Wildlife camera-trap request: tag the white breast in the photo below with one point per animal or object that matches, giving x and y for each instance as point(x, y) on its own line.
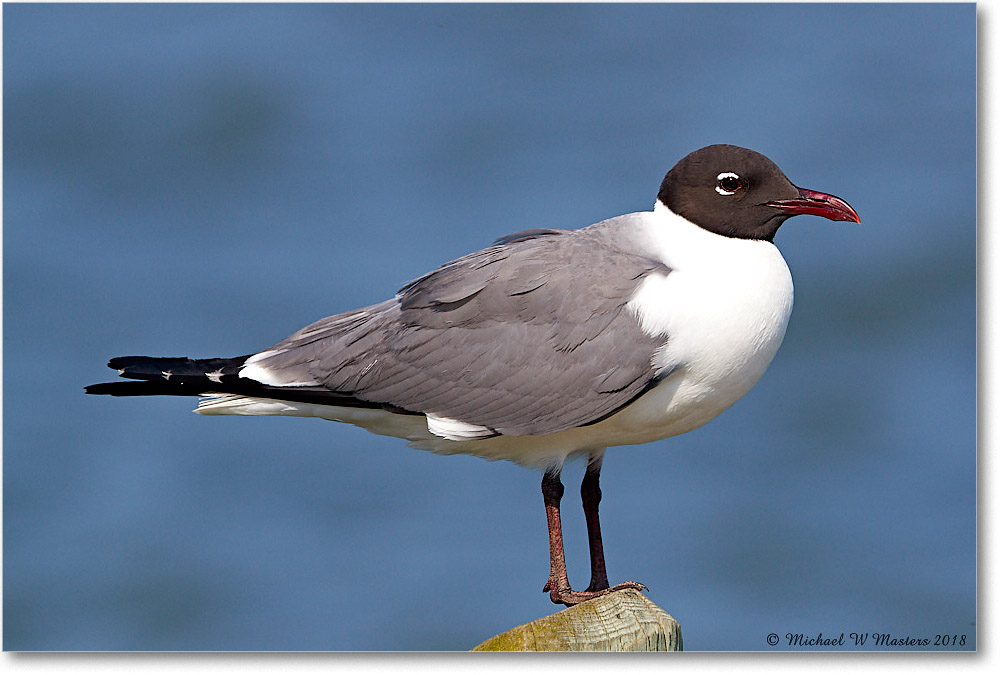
point(722, 310)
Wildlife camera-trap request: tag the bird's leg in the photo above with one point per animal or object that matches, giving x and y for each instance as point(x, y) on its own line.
point(558, 586)
point(590, 492)
point(552, 492)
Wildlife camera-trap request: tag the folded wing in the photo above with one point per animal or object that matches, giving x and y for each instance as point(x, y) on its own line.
point(529, 336)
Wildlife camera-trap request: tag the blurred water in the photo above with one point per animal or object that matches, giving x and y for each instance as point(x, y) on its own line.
point(204, 179)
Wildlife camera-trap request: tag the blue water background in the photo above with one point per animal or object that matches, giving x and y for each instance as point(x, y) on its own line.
point(203, 180)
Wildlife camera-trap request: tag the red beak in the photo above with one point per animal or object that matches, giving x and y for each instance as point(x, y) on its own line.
point(817, 204)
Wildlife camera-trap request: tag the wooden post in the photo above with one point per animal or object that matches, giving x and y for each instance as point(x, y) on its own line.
point(623, 621)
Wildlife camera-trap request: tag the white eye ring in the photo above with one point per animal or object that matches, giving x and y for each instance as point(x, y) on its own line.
point(720, 177)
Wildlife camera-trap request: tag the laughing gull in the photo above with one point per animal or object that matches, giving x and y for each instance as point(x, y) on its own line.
point(549, 343)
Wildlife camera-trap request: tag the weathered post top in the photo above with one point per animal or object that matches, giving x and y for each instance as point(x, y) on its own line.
point(623, 621)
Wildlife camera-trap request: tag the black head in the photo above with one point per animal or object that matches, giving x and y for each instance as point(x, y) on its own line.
point(740, 193)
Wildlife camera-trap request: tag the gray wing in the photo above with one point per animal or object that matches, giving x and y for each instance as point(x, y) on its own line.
point(529, 336)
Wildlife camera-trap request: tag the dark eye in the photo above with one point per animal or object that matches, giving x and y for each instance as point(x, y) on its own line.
point(729, 183)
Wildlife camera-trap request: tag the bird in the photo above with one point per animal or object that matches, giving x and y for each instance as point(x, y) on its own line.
point(548, 345)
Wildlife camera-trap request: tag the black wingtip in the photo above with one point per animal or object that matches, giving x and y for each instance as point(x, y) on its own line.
point(143, 388)
point(116, 388)
point(168, 375)
point(106, 388)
